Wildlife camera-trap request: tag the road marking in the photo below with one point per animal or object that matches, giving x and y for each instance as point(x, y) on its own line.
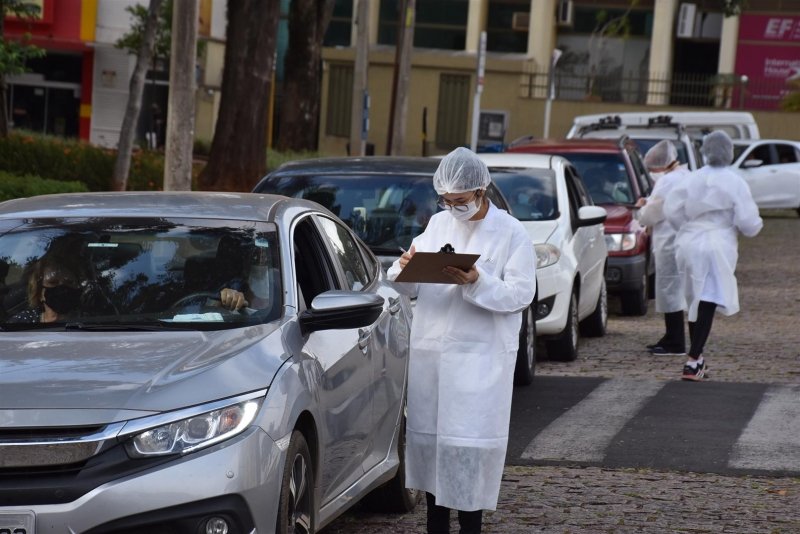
point(771, 440)
point(584, 432)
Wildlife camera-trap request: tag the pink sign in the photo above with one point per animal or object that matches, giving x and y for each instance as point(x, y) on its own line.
point(769, 56)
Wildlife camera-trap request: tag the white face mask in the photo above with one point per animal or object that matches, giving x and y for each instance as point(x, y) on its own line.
point(472, 209)
point(259, 281)
point(656, 175)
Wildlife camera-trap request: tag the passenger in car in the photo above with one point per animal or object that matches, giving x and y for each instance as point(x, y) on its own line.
point(54, 290)
point(709, 208)
point(662, 162)
point(464, 340)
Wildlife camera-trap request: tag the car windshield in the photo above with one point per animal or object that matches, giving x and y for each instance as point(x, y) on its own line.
point(604, 175)
point(137, 274)
point(737, 150)
point(646, 144)
point(531, 193)
point(385, 211)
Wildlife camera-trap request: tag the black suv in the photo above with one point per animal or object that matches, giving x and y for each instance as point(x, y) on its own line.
point(387, 201)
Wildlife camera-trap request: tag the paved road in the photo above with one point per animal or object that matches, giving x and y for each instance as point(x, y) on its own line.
point(614, 442)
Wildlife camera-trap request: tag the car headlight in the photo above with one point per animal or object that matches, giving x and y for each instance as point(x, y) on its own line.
point(620, 242)
point(546, 254)
point(196, 432)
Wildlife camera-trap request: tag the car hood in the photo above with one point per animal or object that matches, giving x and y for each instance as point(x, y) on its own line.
point(540, 231)
point(618, 218)
point(81, 378)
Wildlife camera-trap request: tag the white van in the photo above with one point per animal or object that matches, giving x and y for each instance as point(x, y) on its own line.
point(737, 124)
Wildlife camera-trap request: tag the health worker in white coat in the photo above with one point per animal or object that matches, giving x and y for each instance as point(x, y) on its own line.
point(662, 162)
point(464, 339)
point(709, 207)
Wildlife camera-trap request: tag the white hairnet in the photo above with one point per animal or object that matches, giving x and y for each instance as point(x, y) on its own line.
point(717, 148)
point(460, 171)
point(661, 155)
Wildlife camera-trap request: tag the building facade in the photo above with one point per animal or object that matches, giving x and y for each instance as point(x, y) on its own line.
point(590, 56)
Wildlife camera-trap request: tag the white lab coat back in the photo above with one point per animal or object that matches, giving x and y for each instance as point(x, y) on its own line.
point(708, 208)
point(464, 341)
point(669, 283)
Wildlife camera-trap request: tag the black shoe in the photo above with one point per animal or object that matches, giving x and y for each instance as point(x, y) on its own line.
point(660, 350)
point(694, 373)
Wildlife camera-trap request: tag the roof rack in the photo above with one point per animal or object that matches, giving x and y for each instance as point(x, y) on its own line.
point(610, 122)
point(660, 121)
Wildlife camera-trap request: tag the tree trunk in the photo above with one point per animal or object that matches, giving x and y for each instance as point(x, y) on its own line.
point(180, 112)
point(122, 165)
point(238, 157)
point(299, 120)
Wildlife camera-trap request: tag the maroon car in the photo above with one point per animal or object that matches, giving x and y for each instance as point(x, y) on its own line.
point(615, 176)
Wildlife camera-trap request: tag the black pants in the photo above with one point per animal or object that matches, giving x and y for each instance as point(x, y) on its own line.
point(675, 338)
point(700, 329)
point(439, 518)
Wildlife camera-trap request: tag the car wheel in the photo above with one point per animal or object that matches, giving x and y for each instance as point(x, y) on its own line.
point(565, 347)
point(296, 506)
point(526, 353)
point(595, 325)
point(393, 497)
point(635, 302)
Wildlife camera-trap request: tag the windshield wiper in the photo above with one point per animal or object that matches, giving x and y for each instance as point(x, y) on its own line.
point(110, 327)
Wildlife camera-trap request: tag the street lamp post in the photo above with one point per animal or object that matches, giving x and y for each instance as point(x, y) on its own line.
point(551, 91)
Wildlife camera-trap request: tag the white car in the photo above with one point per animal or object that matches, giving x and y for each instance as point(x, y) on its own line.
point(644, 129)
point(547, 195)
point(771, 167)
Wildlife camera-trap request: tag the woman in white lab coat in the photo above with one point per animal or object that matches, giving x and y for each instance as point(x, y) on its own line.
point(662, 162)
point(709, 208)
point(464, 340)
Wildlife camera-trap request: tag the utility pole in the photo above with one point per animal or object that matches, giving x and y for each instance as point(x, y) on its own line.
point(180, 110)
point(359, 114)
point(399, 110)
point(476, 100)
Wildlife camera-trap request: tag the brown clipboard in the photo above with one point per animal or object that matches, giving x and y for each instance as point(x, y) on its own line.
point(426, 267)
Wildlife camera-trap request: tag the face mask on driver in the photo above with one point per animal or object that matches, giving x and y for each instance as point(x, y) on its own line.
point(62, 299)
point(472, 209)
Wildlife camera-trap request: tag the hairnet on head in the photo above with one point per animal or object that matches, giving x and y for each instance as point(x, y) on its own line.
point(661, 155)
point(717, 148)
point(460, 171)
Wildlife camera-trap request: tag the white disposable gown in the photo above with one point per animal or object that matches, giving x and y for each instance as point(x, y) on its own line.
point(708, 208)
point(669, 283)
point(464, 341)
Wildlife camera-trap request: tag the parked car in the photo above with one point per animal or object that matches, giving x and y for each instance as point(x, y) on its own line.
point(615, 177)
point(387, 201)
point(546, 194)
point(149, 407)
point(771, 167)
point(645, 129)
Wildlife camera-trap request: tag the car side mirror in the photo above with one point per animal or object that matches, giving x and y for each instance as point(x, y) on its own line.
point(752, 163)
point(591, 215)
point(341, 310)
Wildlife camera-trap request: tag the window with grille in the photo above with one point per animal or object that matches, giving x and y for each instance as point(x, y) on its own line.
point(340, 100)
point(453, 110)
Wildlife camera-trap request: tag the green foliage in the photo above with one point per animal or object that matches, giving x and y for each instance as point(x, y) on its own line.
point(132, 40)
point(791, 102)
point(14, 54)
point(14, 186)
point(72, 160)
point(731, 8)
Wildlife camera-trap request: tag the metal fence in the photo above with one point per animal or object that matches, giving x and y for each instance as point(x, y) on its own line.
point(725, 91)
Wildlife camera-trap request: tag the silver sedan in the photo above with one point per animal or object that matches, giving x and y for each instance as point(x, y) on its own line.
point(194, 362)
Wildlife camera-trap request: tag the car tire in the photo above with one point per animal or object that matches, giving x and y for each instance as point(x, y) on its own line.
point(296, 505)
point(393, 497)
point(565, 347)
point(635, 302)
point(595, 325)
point(525, 368)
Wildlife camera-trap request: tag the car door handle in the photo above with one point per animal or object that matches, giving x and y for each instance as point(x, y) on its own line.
point(363, 339)
point(394, 305)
